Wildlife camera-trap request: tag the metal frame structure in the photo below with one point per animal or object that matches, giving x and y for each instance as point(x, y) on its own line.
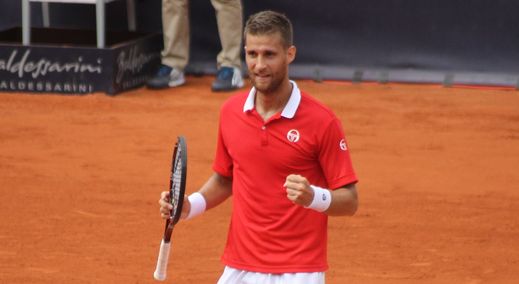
point(100, 17)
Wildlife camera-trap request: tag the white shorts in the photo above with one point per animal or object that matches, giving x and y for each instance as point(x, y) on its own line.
point(235, 276)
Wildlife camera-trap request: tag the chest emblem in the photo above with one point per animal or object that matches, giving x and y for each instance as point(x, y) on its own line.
point(293, 135)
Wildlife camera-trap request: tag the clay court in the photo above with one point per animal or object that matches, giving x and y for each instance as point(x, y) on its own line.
point(80, 177)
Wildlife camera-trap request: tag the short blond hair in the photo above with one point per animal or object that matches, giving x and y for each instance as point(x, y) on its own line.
point(270, 22)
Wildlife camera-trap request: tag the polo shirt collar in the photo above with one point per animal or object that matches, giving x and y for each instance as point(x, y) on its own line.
point(290, 108)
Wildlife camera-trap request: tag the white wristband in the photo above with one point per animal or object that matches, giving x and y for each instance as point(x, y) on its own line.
point(198, 205)
point(322, 199)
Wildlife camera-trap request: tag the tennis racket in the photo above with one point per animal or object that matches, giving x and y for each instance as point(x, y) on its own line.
point(177, 188)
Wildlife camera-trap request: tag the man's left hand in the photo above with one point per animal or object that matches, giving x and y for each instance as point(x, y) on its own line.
point(299, 190)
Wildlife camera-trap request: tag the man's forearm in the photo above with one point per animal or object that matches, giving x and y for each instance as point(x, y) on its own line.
point(216, 190)
point(344, 201)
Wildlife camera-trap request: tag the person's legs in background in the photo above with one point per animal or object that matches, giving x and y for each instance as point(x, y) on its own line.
point(229, 16)
point(175, 55)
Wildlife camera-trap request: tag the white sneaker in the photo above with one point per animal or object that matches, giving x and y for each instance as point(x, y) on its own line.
point(227, 79)
point(166, 77)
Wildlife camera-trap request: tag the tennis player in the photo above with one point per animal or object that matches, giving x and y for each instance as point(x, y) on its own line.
point(283, 157)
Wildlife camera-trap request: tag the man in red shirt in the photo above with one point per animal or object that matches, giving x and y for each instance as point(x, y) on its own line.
point(283, 157)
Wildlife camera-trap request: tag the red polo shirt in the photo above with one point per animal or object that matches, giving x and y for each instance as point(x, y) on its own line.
point(268, 233)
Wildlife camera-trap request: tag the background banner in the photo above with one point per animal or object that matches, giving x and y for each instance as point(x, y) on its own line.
point(449, 41)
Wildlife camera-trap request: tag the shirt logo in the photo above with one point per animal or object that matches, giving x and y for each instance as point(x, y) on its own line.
point(342, 145)
point(293, 135)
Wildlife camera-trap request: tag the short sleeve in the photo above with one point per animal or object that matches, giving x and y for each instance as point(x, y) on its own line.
point(223, 163)
point(334, 156)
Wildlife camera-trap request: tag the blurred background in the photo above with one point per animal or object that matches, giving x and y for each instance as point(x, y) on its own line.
point(471, 42)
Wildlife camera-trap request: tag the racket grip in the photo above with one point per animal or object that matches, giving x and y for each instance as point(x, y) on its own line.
point(162, 261)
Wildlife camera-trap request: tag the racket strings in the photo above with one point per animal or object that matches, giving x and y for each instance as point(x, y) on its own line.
point(176, 180)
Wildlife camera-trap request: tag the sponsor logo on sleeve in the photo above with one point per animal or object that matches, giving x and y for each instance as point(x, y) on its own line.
point(342, 145)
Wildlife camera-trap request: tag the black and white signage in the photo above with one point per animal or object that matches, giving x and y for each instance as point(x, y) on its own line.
point(78, 70)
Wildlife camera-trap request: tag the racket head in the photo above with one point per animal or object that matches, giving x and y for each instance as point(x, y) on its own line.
point(177, 184)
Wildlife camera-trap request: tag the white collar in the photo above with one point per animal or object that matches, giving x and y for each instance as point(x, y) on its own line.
point(290, 108)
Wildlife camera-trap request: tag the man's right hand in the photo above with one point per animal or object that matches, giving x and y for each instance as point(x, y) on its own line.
point(166, 207)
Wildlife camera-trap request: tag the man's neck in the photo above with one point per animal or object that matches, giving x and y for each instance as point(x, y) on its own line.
point(271, 103)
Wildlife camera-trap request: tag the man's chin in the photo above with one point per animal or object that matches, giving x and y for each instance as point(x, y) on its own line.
point(261, 87)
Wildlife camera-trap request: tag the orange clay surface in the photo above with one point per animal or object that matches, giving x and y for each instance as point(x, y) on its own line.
point(80, 177)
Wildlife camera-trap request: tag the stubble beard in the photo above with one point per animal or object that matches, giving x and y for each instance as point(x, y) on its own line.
point(272, 87)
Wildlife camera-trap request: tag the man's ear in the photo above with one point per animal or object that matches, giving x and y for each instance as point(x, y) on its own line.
point(291, 53)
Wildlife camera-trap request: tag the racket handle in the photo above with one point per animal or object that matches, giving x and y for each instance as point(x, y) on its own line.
point(162, 261)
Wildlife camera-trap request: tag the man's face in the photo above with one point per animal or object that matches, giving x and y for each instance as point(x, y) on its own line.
point(267, 60)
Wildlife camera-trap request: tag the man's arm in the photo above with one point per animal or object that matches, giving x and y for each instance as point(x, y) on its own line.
point(344, 200)
point(215, 191)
